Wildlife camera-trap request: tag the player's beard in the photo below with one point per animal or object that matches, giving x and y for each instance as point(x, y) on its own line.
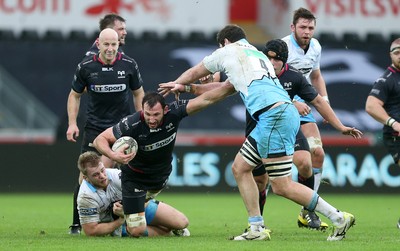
point(302, 42)
point(396, 64)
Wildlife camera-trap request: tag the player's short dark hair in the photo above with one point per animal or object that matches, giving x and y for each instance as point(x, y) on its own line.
point(231, 32)
point(276, 48)
point(152, 98)
point(108, 21)
point(303, 13)
point(88, 159)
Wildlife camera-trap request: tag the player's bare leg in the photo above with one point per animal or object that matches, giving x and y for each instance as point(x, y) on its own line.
point(249, 193)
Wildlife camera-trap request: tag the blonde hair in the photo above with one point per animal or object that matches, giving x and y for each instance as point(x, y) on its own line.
point(88, 159)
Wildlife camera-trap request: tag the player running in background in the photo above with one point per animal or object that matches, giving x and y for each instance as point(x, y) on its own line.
point(252, 75)
point(116, 23)
point(305, 56)
point(100, 209)
point(383, 103)
point(145, 173)
point(110, 79)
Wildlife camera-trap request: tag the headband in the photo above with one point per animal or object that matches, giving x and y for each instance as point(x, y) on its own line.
point(394, 48)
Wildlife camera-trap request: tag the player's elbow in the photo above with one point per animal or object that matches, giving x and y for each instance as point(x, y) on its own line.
point(369, 108)
point(90, 231)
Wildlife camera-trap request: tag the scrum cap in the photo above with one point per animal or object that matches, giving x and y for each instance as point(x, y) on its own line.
point(278, 49)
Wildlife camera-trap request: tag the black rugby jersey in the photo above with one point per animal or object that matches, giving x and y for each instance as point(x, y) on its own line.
point(387, 89)
point(109, 89)
point(294, 83)
point(155, 146)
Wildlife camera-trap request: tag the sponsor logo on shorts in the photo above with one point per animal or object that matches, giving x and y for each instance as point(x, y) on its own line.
point(108, 88)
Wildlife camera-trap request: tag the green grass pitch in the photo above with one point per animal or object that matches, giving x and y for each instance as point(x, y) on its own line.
point(40, 222)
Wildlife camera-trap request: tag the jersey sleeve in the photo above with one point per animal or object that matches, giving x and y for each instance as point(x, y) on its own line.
point(179, 108)
point(78, 83)
point(212, 62)
point(380, 90)
point(136, 81)
point(125, 126)
point(305, 90)
point(88, 209)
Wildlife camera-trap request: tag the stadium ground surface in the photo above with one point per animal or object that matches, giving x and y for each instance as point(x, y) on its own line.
point(40, 222)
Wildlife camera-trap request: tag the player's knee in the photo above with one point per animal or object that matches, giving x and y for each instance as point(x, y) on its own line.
point(136, 225)
point(182, 221)
point(137, 231)
point(278, 187)
point(303, 165)
point(316, 147)
point(279, 173)
point(319, 153)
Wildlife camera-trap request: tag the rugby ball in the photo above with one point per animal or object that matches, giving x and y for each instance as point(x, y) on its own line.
point(125, 140)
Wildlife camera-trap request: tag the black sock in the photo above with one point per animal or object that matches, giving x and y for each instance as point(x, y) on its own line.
point(75, 209)
point(308, 182)
point(261, 200)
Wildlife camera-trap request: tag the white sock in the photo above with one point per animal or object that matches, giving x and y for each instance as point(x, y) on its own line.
point(317, 178)
point(330, 212)
point(256, 222)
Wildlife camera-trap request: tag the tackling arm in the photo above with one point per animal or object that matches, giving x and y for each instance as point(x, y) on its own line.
point(210, 97)
point(193, 74)
point(100, 229)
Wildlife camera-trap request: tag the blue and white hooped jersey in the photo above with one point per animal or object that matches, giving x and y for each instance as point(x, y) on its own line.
point(250, 72)
point(304, 62)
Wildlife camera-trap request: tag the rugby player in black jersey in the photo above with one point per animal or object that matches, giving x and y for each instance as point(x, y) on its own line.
point(116, 23)
point(110, 79)
point(145, 173)
point(383, 103)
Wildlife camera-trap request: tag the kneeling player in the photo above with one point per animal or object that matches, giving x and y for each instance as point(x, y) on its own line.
point(100, 209)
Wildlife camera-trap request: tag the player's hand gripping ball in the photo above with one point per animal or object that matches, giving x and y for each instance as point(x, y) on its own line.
point(119, 145)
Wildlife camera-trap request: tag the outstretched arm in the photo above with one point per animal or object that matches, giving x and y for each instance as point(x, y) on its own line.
point(188, 77)
point(196, 89)
point(193, 74)
point(328, 114)
point(210, 97)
